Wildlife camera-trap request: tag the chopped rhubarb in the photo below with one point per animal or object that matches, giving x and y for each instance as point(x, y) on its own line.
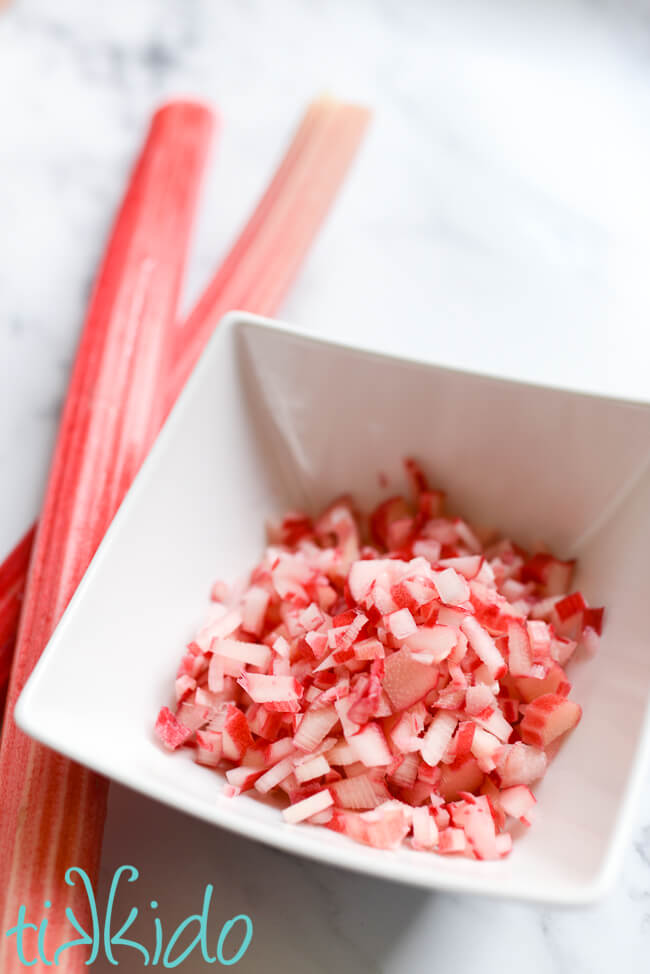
point(555, 681)
point(450, 841)
point(484, 646)
point(552, 575)
point(547, 718)
point(315, 768)
point(425, 830)
point(517, 802)
point(236, 735)
point(520, 652)
point(437, 738)
point(520, 764)
point(415, 701)
point(406, 681)
point(401, 624)
point(370, 745)
point(253, 653)
point(437, 641)
point(280, 692)
point(308, 807)
point(314, 725)
point(170, 730)
point(451, 586)
point(209, 748)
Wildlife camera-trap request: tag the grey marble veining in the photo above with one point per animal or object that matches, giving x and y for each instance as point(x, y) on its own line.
point(497, 218)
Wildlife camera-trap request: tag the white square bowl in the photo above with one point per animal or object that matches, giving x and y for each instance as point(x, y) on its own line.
point(273, 419)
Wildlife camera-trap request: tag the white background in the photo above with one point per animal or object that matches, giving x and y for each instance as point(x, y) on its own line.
point(497, 218)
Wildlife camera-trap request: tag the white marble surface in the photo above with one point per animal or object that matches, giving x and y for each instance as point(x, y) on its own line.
point(498, 218)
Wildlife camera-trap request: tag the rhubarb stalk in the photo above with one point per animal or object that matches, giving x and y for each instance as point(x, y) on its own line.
point(12, 585)
point(267, 255)
point(264, 261)
point(53, 810)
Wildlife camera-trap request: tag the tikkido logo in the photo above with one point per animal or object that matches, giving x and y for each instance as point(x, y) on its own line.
point(234, 937)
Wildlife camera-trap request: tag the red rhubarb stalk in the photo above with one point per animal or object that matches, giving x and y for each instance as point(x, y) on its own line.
point(12, 586)
point(12, 583)
point(266, 257)
point(53, 810)
point(264, 261)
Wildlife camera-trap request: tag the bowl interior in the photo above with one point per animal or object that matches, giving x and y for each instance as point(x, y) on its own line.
point(273, 419)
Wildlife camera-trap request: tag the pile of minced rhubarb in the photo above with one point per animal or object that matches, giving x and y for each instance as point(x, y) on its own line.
point(395, 677)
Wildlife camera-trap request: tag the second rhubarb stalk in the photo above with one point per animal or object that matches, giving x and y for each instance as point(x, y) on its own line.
point(52, 809)
point(262, 263)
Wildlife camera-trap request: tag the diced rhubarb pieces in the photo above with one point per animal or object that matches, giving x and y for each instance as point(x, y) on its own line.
point(425, 830)
point(555, 682)
point(314, 768)
point(547, 718)
point(281, 693)
point(503, 844)
point(414, 693)
point(209, 748)
point(193, 715)
point(484, 646)
point(314, 726)
point(243, 777)
point(370, 744)
point(384, 827)
point(485, 747)
point(360, 792)
point(451, 840)
point(254, 606)
point(593, 619)
point(520, 653)
point(184, 686)
point(304, 809)
point(389, 511)
point(520, 764)
point(540, 640)
point(401, 624)
point(590, 641)
point(570, 606)
point(467, 565)
point(451, 586)
point(170, 731)
point(517, 801)
point(237, 737)
point(275, 775)
point(437, 738)
point(552, 575)
point(463, 738)
point(435, 641)
point(464, 775)
point(406, 730)
point(254, 654)
point(475, 819)
point(406, 681)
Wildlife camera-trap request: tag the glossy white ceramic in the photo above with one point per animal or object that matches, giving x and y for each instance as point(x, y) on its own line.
point(273, 418)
